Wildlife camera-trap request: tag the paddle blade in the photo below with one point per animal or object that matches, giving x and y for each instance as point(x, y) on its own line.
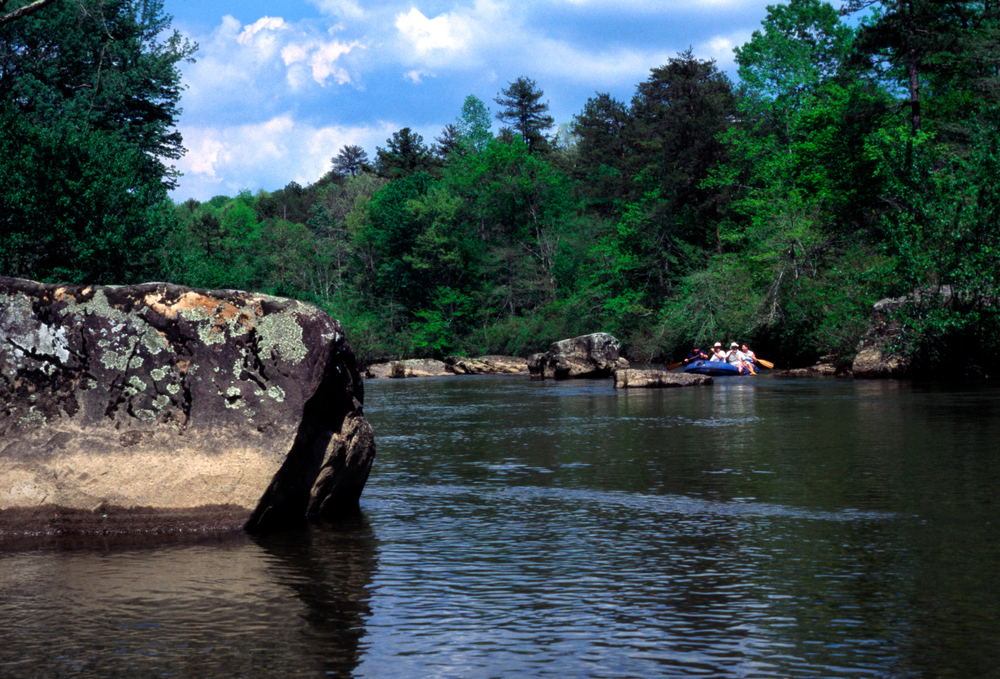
point(674, 365)
point(766, 364)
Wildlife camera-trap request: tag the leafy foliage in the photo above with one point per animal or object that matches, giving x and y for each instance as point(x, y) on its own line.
point(853, 162)
point(89, 96)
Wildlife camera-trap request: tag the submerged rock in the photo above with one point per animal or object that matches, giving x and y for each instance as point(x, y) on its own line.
point(487, 365)
point(652, 379)
point(452, 365)
point(411, 367)
point(587, 356)
point(160, 407)
point(826, 367)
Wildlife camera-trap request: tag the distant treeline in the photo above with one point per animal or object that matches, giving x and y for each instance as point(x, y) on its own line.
point(851, 162)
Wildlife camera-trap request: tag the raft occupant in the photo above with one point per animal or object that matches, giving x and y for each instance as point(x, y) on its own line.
point(736, 357)
point(696, 355)
point(717, 353)
point(751, 358)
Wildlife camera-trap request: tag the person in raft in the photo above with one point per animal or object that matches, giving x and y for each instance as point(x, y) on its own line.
point(740, 360)
point(736, 357)
point(696, 355)
point(751, 357)
point(717, 353)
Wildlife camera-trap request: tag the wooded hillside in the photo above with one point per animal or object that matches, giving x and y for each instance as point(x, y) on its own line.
point(857, 158)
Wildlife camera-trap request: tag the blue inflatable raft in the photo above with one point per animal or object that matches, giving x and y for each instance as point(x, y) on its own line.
point(713, 368)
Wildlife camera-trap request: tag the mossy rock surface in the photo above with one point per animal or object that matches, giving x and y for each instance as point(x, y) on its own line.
point(169, 398)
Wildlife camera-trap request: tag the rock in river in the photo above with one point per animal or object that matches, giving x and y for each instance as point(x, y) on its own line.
point(594, 356)
point(158, 407)
point(487, 365)
point(412, 367)
point(655, 379)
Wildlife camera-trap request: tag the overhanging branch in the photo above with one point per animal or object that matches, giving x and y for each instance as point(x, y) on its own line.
point(23, 11)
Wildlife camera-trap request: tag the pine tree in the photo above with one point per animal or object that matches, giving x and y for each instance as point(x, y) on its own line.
point(405, 154)
point(350, 161)
point(524, 110)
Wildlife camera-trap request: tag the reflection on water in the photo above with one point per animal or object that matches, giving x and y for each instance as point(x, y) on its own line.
point(236, 607)
point(757, 528)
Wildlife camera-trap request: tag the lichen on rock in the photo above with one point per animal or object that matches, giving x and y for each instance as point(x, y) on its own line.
point(166, 397)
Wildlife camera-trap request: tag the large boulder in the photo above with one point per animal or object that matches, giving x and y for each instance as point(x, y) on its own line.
point(587, 356)
point(161, 407)
point(875, 358)
point(873, 362)
point(658, 379)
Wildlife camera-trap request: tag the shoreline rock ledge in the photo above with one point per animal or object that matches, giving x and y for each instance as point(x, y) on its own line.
point(157, 408)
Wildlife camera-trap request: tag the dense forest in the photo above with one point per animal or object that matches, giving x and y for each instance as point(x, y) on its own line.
point(855, 159)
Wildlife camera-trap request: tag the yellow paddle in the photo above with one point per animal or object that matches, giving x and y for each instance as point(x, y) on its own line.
point(674, 365)
point(766, 364)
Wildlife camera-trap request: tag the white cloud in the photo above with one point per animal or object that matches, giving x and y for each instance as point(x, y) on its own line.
point(203, 155)
point(269, 24)
point(292, 54)
point(416, 76)
point(323, 58)
point(272, 100)
point(250, 70)
point(268, 155)
point(721, 48)
point(445, 32)
point(320, 57)
point(651, 6)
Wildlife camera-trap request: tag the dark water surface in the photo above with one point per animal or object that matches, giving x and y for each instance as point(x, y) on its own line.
point(760, 527)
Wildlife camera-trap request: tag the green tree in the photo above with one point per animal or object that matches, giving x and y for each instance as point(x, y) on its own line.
point(803, 190)
point(803, 44)
point(909, 41)
point(349, 161)
point(603, 148)
point(942, 238)
point(473, 126)
point(111, 65)
point(444, 262)
point(77, 205)
point(804, 122)
point(89, 95)
point(24, 10)
point(405, 154)
point(678, 116)
point(387, 236)
point(522, 207)
point(446, 144)
point(527, 114)
point(337, 208)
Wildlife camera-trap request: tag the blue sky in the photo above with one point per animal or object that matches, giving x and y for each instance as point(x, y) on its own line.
point(279, 87)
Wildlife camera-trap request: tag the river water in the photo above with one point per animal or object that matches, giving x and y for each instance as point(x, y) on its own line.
point(760, 527)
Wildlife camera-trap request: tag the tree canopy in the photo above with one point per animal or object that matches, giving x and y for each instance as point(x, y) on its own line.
point(854, 159)
point(89, 97)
